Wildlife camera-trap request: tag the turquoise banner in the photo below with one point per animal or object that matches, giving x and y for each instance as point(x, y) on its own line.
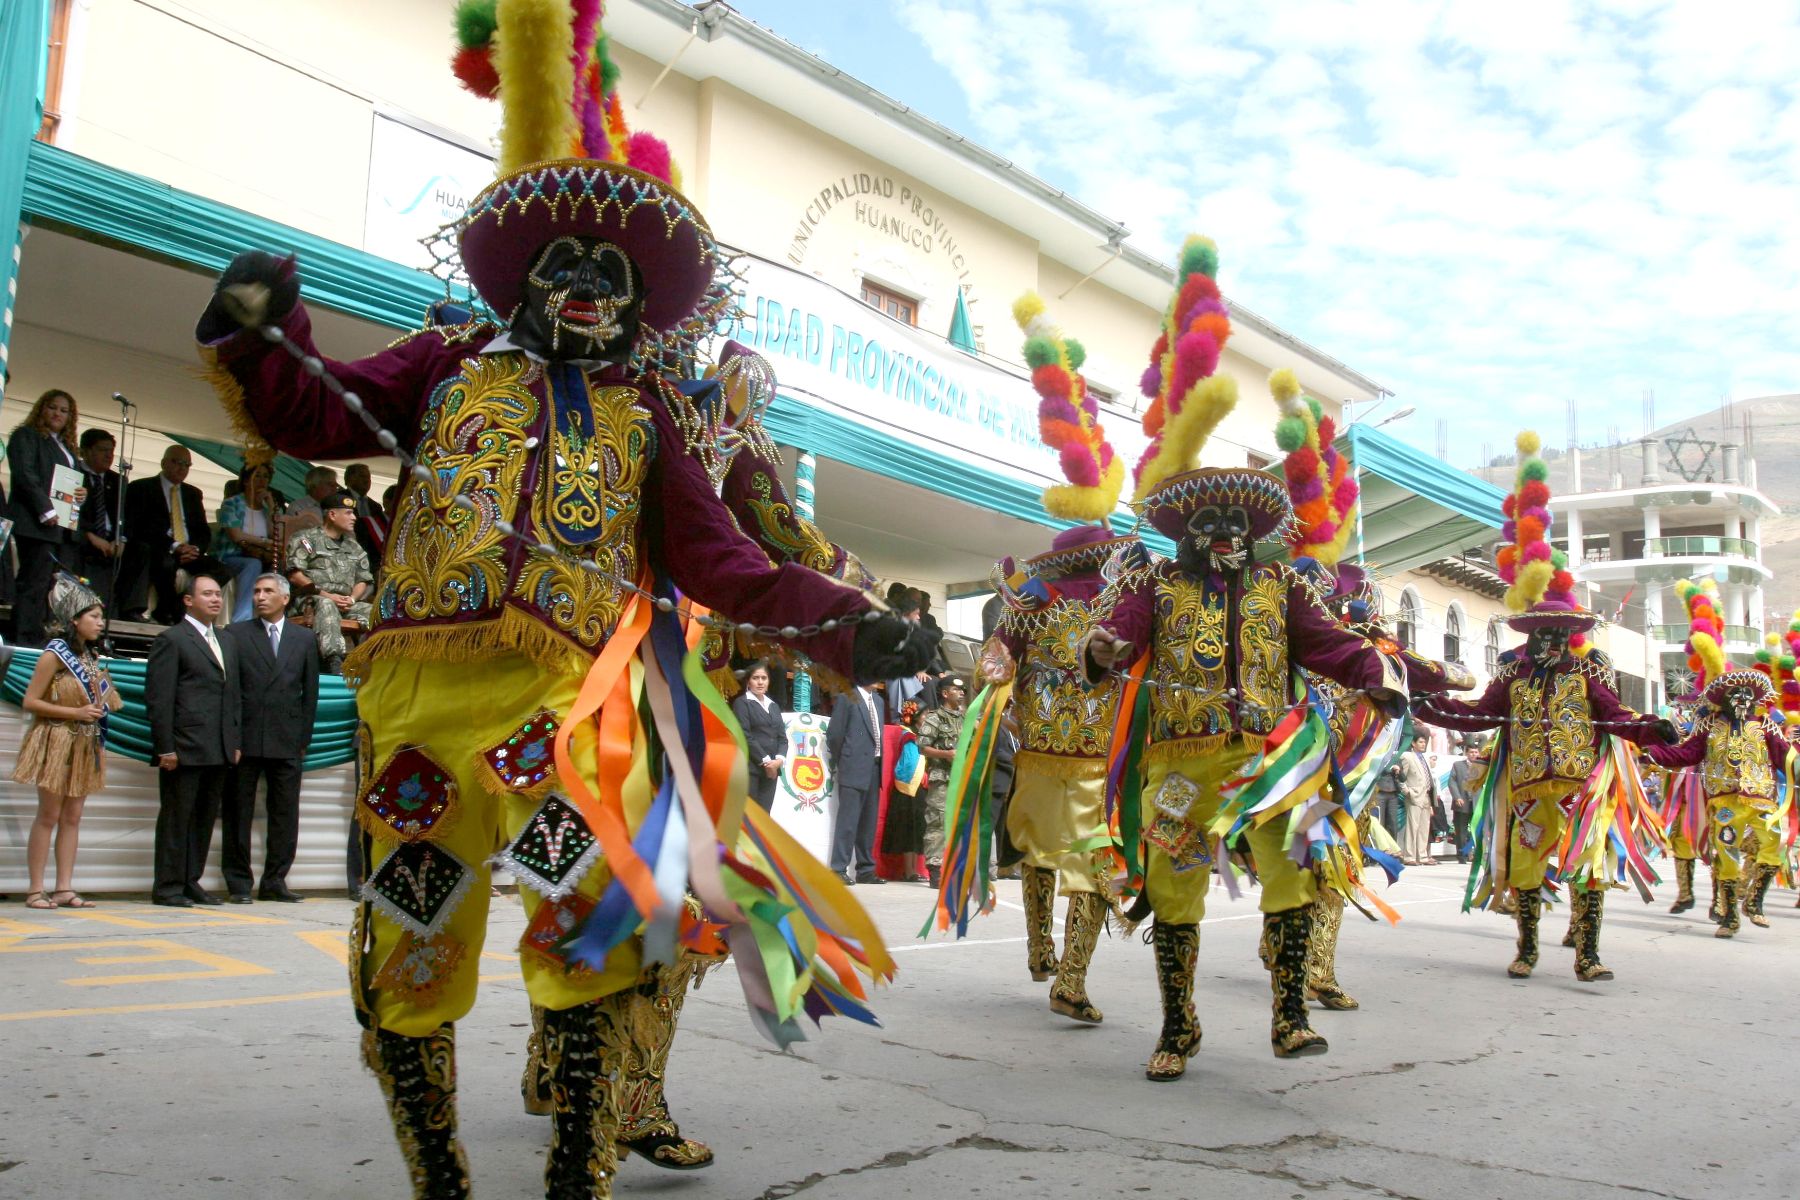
point(128, 733)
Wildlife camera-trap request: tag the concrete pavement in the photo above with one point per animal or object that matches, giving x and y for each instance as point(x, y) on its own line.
point(157, 1053)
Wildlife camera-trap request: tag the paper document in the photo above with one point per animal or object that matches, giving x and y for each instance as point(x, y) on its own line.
point(64, 483)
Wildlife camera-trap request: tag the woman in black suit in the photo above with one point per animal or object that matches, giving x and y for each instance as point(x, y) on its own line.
point(45, 441)
point(765, 732)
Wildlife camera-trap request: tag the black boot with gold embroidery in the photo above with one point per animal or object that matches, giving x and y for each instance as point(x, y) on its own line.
point(1728, 922)
point(1321, 954)
point(584, 1048)
point(1528, 907)
point(1177, 952)
point(1589, 906)
point(646, 1128)
point(534, 1084)
point(1716, 909)
point(1081, 931)
point(418, 1077)
point(1038, 889)
point(1284, 941)
point(1755, 893)
point(1684, 885)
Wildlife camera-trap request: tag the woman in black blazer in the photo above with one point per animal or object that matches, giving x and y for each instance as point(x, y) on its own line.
point(765, 732)
point(45, 441)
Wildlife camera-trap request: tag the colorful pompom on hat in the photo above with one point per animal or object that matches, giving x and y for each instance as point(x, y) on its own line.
point(1737, 677)
point(569, 166)
point(1069, 423)
point(1321, 487)
point(1706, 631)
point(1540, 591)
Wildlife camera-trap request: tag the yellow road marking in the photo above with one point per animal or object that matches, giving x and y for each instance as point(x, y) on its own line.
point(8, 925)
point(334, 943)
point(158, 950)
point(197, 1005)
point(217, 917)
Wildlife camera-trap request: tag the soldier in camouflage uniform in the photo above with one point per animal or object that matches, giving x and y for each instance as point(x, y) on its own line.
point(331, 577)
point(938, 730)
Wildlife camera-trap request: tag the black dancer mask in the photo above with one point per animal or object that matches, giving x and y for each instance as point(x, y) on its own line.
point(1741, 701)
point(583, 299)
point(1218, 537)
point(1548, 645)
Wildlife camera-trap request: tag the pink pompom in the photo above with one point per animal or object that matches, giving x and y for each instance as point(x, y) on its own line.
point(650, 154)
point(1325, 533)
point(1196, 357)
point(1079, 466)
point(1542, 514)
point(1345, 494)
point(1537, 552)
point(1308, 489)
point(1508, 573)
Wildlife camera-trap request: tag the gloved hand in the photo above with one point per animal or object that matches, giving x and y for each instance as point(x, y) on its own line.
point(1665, 729)
point(892, 647)
point(258, 288)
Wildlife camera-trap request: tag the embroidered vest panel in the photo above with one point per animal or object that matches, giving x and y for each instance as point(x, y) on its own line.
point(1058, 713)
point(1197, 658)
point(491, 434)
point(1552, 734)
point(1737, 761)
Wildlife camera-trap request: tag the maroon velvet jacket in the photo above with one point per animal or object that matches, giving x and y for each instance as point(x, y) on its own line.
point(1734, 759)
point(1553, 722)
point(1244, 636)
point(621, 491)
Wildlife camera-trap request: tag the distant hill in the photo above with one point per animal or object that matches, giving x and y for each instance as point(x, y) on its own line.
point(1773, 447)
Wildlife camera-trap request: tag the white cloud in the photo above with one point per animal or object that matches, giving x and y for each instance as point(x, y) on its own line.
point(1491, 208)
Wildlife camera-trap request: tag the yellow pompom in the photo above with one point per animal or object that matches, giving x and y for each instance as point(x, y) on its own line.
point(1284, 386)
point(1529, 443)
point(533, 43)
point(1027, 308)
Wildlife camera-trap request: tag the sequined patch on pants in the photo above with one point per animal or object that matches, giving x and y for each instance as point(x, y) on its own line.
point(419, 967)
point(554, 922)
point(418, 886)
point(553, 853)
point(410, 798)
point(523, 760)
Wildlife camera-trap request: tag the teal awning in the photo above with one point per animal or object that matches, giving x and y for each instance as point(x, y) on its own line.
point(1415, 508)
point(289, 475)
point(962, 329)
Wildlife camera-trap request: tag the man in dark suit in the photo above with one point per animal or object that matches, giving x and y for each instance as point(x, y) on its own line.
point(165, 531)
point(276, 664)
point(853, 738)
point(99, 522)
point(190, 688)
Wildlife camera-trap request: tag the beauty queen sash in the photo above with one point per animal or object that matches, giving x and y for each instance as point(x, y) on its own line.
point(94, 683)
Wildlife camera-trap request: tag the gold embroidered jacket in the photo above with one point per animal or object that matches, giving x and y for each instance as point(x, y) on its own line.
point(1060, 717)
point(1736, 759)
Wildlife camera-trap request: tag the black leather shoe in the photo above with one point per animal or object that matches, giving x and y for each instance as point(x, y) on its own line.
point(240, 897)
point(202, 896)
point(870, 879)
point(281, 893)
point(177, 902)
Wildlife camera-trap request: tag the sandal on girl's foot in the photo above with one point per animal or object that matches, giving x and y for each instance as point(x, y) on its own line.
point(75, 900)
point(39, 900)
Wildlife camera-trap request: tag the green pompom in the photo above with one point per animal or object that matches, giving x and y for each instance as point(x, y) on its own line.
point(1290, 434)
point(1535, 470)
point(1559, 559)
point(1076, 351)
point(609, 70)
point(1763, 656)
point(1317, 409)
point(475, 23)
point(1199, 256)
point(1040, 352)
point(1787, 663)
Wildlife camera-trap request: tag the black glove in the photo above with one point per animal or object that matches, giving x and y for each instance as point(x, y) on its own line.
point(1665, 729)
point(279, 281)
point(892, 647)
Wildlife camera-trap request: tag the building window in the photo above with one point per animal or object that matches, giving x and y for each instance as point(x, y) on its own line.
point(902, 308)
point(1453, 635)
point(1258, 461)
point(1406, 627)
point(1493, 647)
point(1103, 395)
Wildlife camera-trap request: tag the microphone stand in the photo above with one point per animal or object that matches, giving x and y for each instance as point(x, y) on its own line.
point(123, 470)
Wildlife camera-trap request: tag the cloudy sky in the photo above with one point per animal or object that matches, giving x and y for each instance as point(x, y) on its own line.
point(1490, 208)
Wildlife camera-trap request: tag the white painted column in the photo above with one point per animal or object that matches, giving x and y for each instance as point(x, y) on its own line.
point(1652, 530)
point(1653, 611)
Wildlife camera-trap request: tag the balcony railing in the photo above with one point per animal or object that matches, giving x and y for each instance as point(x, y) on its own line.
point(1690, 546)
point(1677, 634)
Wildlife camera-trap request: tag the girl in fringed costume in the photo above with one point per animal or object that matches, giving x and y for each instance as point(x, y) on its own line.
point(1322, 487)
point(529, 688)
point(1220, 741)
point(1562, 786)
point(1056, 816)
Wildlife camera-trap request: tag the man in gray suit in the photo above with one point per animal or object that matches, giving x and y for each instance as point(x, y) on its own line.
point(277, 664)
point(853, 739)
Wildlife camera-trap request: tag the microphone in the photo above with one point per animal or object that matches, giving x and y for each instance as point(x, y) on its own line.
point(121, 401)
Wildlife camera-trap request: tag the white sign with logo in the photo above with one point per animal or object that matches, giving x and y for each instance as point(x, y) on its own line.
point(881, 372)
point(418, 182)
point(803, 796)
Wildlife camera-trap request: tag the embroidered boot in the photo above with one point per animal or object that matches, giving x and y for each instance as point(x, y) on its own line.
point(645, 1126)
point(1081, 931)
point(534, 1085)
point(1177, 950)
point(1728, 924)
point(418, 1077)
point(1321, 954)
point(1589, 905)
point(1039, 891)
point(1284, 942)
point(1684, 885)
point(1715, 909)
point(1569, 933)
point(1754, 895)
point(1528, 907)
point(585, 1049)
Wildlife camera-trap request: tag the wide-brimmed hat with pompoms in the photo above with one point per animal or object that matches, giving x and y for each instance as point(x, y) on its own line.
point(1737, 677)
point(568, 164)
point(1188, 399)
point(1540, 591)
